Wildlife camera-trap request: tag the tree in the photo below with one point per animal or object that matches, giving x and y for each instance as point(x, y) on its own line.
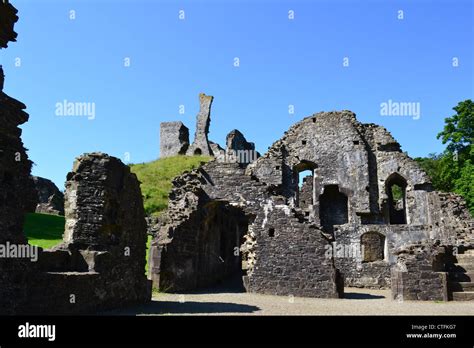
point(453, 170)
point(439, 169)
point(458, 130)
point(464, 185)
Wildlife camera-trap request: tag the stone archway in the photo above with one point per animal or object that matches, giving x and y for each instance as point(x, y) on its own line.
point(303, 179)
point(395, 187)
point(220, 236)
point(205, 250)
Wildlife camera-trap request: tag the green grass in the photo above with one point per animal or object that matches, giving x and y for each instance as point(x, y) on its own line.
point(156, 177)
point(44, 230)
point(397, 192)
point(148, 243)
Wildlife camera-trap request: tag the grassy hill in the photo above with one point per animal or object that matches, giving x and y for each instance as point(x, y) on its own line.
point(156, 177)
point(44, 230)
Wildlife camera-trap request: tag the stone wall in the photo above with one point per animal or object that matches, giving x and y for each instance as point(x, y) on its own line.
point(425, 267)
point(101, 263)
point(15, 167)
point(174, 139)
point(16, 187)
point(278, 253)
point(192, 229)
point(200, 145)
point(351, 255)
point(203, 252)
point(236, 141)
point(351, 225)
point(419, 273)
point(292, 258)
point(9, 17)
point(50, 199)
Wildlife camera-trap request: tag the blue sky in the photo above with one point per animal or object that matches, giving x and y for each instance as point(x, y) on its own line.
point(282, 62)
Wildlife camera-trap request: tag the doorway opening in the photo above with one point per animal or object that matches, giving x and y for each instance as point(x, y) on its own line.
point(304, 184)
point(333, 209)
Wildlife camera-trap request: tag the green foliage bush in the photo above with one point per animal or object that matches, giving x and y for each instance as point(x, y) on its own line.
point(453, 170)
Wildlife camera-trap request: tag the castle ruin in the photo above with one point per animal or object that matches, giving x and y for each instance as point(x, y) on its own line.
point(366, 215)
point(174, 139)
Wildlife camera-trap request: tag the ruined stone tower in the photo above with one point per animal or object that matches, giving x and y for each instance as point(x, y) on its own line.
point(200, 145)
point(174, 139)
point(174, 136)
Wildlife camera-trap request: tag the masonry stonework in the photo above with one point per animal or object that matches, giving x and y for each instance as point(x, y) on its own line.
point(50, 198)
point(253, 221)
point(200, 145)
point(102, 258)
point(174, 139)
point(16, 186)
point(341, 226)
point(101, 262)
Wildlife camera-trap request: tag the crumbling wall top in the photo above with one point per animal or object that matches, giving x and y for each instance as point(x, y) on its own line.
point(9, 18)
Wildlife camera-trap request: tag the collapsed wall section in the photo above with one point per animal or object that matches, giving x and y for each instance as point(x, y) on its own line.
point(9, 17)
point(174, 139)
point(419, 273)
point(201, 145)
point(16, 187)
point(329, 145)
point(295, 260)
point(101, 263)
point(292, 257)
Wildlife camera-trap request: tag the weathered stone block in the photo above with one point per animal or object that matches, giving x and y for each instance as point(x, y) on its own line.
point(50, 199)
point(174, 139)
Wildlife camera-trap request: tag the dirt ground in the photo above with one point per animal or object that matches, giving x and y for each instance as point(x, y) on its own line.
point(356, 302)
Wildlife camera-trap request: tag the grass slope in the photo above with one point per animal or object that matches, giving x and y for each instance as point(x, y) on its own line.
point(44, 230)
point(156, 177)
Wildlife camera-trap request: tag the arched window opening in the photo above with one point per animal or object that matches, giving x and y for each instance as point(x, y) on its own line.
point(396, 192)
point(304, 188)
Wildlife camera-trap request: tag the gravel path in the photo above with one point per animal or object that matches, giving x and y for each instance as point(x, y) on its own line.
point(357, 302)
